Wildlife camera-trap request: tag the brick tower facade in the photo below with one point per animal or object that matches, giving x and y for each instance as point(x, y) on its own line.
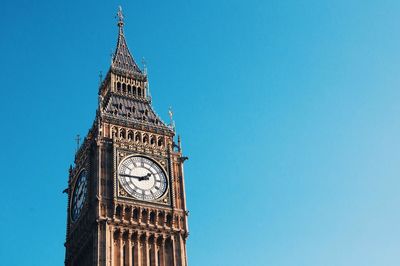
point(126, 193)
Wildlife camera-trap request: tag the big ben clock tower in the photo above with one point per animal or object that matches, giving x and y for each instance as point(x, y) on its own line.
point(126, 193)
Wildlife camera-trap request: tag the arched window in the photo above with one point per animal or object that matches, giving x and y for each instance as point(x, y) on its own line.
point(118, 211)
point(160, 142)
point(127, 212)
point(123, 87)
point(153, 140)
point(139, 92)
point(160, 219)
point(145, 139)
point(152, 218)
point(129, 89)
point(118, 86)
point(134, 90)
point(135, 214)
point(122, 134)
point(144, 216)
point(169, 220)
point(130, 135)
point(114, 132)
point(137, 137)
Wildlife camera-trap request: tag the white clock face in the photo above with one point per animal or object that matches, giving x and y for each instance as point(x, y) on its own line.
point(142, 178)
point(79, 195)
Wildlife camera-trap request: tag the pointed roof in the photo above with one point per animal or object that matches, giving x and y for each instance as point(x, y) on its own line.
point(122, 59)
point(128, 109)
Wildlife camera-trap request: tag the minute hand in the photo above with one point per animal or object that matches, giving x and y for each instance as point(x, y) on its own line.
point(140, 178)
point(133, 176)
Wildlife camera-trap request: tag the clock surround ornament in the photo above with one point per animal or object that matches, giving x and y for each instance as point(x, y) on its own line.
point(142, 178)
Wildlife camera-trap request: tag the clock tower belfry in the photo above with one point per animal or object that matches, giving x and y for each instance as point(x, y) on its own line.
point(126, 194)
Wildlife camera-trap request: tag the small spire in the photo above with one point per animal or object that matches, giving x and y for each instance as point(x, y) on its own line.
point(171, 118)
point(100, 78)
point(77, 139)
point(122, 59)
point(144, 64)
point(179, 143)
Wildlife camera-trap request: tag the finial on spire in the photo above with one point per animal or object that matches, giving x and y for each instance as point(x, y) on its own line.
point(179, 143)
point(100, 78)
point(171, 118)
point(78, 139)
point(144, 65)
point(120, 17)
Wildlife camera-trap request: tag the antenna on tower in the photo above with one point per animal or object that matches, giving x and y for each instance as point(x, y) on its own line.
point(78, 140)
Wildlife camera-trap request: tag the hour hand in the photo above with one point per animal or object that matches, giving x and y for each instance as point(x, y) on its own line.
point(145, 177)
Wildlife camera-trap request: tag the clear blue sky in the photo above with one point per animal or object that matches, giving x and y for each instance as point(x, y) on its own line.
point(288, 110)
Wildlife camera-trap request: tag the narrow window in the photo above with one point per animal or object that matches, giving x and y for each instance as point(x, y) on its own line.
point(135, 214)
point(169, 220)
point(118, 211)
point(160, 142)
point(124, 255)
point(130, 134)
point(158, 257)
point(133, 255)
point(151, 257)
point(152, 218)
point(122, 134)
point(118, 86)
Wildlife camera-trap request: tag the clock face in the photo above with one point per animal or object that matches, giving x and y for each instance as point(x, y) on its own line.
point(79, 195)
point(142, 178)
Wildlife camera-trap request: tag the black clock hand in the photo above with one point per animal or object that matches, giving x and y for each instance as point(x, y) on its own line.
point(132, 176)
point(146, 177)
point(140, 178)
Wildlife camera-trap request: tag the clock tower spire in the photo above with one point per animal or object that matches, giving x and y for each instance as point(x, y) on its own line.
point(126, 195)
